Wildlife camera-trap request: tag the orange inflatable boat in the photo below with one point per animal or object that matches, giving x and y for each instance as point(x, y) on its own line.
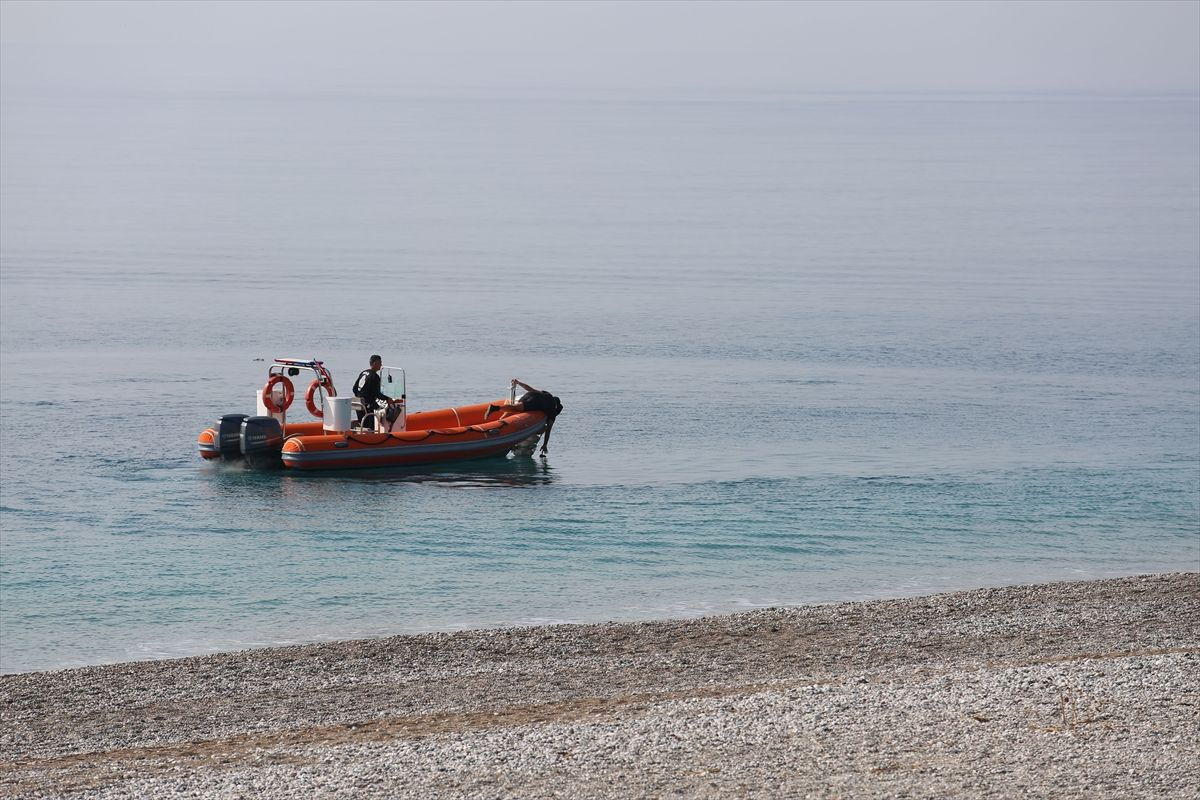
point(342, 436)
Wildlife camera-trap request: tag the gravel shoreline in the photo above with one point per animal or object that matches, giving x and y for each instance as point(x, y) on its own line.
point(1056, 690)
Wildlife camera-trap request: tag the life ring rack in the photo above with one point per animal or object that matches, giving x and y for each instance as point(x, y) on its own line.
point(277, 376)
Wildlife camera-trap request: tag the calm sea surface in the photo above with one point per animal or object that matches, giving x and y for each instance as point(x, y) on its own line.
point(811, 348)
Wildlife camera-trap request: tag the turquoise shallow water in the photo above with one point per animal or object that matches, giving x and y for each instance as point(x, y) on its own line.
point(810, 349)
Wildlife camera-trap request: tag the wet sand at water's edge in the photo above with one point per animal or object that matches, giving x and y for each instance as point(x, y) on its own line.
point(1087, 689)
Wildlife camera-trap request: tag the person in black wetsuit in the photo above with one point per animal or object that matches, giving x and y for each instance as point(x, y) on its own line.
point(367, 388)
point(532, 400)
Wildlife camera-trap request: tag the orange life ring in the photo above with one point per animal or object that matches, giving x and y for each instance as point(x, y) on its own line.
point(289, 392)
point(311, 393)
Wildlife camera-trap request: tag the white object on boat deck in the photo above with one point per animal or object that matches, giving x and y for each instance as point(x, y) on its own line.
point(338, 412)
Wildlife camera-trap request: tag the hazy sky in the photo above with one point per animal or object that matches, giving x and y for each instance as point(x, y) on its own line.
point(923, 45)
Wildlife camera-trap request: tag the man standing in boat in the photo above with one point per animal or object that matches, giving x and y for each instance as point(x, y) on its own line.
point(532, 400)
point(367, 388)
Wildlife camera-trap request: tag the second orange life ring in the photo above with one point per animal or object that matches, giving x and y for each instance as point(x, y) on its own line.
point(312, 392)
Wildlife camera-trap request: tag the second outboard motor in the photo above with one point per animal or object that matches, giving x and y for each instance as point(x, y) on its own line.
point(262, 442)
point(229, 436)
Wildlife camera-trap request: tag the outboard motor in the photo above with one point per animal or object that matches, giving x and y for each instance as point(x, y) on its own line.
point(229, 436)
point(262, 442)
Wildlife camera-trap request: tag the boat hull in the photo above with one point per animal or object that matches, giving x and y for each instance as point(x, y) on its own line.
point(410, 448)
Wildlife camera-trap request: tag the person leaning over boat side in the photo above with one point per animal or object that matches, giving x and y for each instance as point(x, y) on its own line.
point(367, 388)
point(532, 400)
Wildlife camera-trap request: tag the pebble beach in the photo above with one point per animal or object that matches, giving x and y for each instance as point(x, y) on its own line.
point(1086, 689)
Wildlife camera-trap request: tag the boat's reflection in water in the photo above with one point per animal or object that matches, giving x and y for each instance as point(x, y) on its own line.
point(516, 471)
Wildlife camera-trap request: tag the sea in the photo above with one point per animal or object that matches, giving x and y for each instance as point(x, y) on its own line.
point(811, 348)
